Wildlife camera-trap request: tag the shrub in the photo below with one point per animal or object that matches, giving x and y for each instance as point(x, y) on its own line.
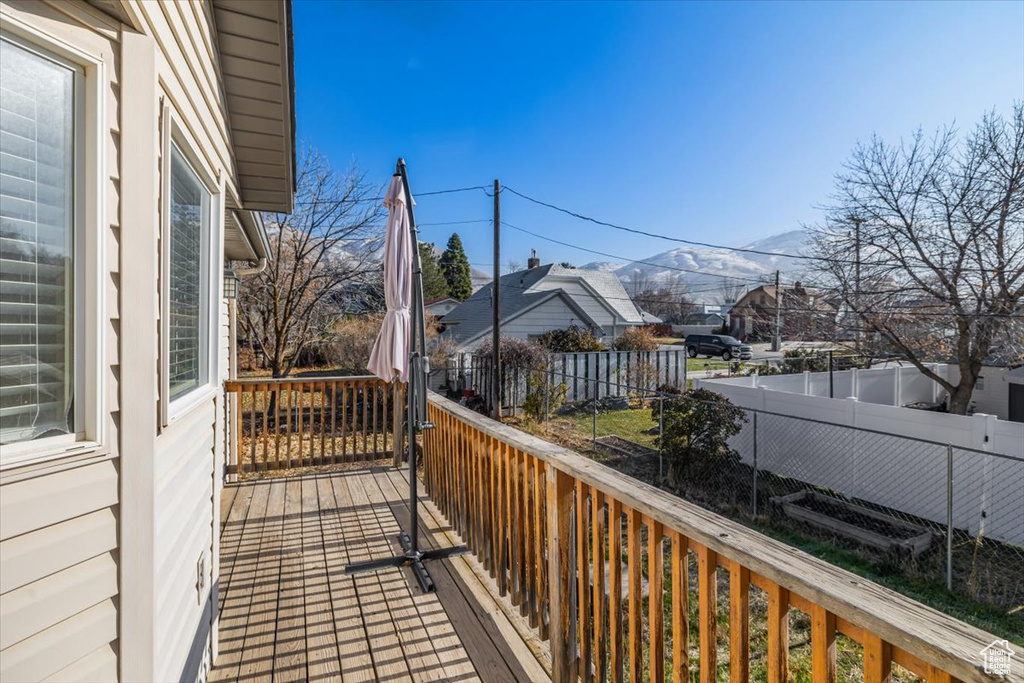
point(636, 339)
point(696, 430)
point(541, 394)
point(573, 339)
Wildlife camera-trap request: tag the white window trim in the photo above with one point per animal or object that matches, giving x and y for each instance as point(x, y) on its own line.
point(172, 133)
point(89, 230)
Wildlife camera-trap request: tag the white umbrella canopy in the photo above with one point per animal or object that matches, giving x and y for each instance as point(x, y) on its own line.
point(389, 359)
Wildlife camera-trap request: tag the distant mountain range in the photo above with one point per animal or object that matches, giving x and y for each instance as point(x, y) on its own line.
point(704, 270)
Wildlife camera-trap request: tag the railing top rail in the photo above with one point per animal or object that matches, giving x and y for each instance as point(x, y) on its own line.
point(248, 381)
point(936, 638)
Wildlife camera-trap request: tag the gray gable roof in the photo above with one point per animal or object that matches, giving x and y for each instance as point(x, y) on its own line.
point(473, 316)
point(607, 286)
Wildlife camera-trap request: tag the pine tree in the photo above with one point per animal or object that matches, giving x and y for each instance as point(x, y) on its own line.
point(455, 267)
point(435, 286)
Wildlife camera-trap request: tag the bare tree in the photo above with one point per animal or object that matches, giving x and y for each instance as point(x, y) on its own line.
point(667, 299)
point(923, 246)
point(323, 253)
point(731, 290)
point(513, 266)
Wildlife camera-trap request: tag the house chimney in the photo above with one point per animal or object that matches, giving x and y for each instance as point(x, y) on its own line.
point(798, 288)
point(533, 261)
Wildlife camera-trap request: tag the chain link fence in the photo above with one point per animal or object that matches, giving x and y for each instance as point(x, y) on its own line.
point(926, 510)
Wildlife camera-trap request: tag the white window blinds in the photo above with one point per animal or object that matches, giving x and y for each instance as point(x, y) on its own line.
point(188, 278)
point(36, 194)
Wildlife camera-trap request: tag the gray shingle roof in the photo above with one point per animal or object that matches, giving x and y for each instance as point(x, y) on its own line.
point(473, 316)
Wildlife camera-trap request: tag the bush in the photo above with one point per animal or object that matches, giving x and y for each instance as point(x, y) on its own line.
point(541, 394)
point(573, 339)
point(696, 430)
point(796, 361)
point(636, 339)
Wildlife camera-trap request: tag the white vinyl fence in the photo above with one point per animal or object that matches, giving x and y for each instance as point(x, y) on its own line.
point(891, 456)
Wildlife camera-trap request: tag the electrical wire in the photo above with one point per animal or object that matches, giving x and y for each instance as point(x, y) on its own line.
point(417, 195)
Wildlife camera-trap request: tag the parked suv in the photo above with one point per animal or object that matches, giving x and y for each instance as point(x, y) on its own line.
point(717, 345)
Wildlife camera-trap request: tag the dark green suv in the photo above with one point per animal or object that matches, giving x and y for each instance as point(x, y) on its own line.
point(729, 348)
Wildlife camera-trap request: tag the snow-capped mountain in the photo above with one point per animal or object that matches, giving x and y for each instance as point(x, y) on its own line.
point(702, 269)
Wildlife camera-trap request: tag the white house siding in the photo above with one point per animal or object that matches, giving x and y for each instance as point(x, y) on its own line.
point(993, 397)
point(586, 300)
point(63, 535)
point(553, 314)
point(58, 519)
point(188, 451)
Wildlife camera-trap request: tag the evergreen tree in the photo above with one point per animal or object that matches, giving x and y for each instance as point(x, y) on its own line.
point(435, 286)
point(455, 267)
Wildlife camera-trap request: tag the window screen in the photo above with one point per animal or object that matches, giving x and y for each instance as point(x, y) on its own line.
point(188, 287)
point(36, 194)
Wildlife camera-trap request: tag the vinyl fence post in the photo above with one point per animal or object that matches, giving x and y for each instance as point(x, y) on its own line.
point(753, 502)
point(949, 517)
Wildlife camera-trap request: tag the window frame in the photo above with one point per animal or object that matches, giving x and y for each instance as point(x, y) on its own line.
point(88, 233)
point(174, 135)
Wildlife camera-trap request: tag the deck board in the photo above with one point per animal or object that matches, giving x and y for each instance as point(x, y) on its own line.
point(289, 612)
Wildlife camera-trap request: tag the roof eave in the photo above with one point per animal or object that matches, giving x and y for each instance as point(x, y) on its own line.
point(259, 90)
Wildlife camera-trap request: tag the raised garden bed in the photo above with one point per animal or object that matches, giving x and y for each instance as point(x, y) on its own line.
point(862, 524)
point(616, 445)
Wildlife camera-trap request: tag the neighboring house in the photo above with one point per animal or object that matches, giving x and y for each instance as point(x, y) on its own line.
point(650, 318)
point(998, 391)
point(543, 298)
point(138, 141)
point(441, 307)
point(804, 314)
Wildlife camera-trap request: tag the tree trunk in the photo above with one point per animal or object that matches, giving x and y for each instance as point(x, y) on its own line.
point(960, 399)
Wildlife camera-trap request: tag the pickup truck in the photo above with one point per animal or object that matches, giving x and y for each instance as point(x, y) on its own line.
point(723, 345)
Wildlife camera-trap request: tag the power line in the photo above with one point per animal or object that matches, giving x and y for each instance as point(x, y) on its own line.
point(380, 199)
point(680, 240)
point(646, 233)
point(480, 220)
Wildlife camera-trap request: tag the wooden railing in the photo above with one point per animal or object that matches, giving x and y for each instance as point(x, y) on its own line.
point(600, 564)
point(294, 422)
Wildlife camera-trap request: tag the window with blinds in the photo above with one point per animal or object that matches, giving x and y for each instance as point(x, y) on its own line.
point(188, 278)
point(36, 245)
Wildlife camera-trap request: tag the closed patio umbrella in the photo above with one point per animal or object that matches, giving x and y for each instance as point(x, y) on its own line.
point(389, 358)
point(399, 355)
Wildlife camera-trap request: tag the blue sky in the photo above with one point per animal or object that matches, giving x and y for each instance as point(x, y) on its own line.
point(720, 122)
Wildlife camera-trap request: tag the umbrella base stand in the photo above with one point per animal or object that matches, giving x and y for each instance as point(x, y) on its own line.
point(411, 557)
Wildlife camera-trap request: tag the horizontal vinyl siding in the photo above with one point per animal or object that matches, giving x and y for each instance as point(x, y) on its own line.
point(183, 526)
point(553, 314)
point(58, 525)
point(58, 562)
point(583, 298)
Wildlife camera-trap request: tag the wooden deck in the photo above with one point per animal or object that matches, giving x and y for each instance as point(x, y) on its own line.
point(289, 612)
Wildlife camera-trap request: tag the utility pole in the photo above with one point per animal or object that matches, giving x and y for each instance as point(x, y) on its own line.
point(495, 304)
point(777, 338)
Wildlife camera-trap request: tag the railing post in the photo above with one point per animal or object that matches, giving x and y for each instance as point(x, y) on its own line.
point(559, 509)
point(234, 431)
